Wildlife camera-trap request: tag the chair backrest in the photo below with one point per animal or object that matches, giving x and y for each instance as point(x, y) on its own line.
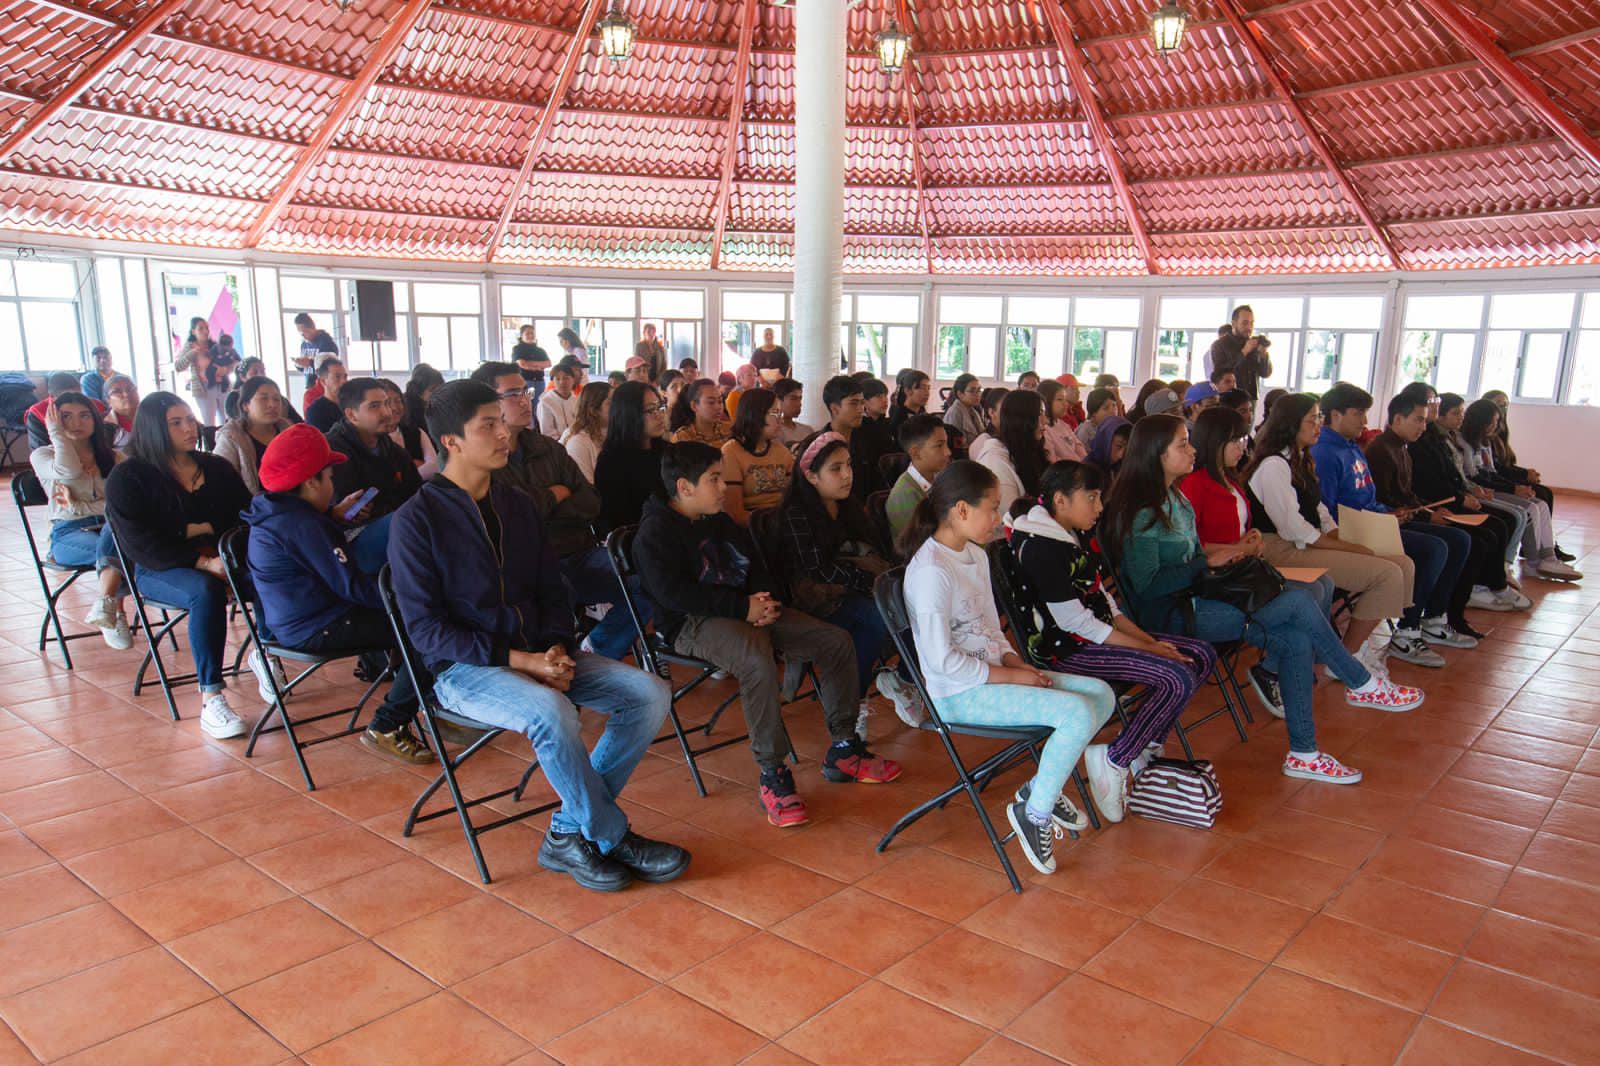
point(1009, 594)
point(420, 677)
point(234, 548)
point(27, 490)
point(878, 513)
point(891, 465)
point(889, 595)
point(619, 549)
point(766, 530)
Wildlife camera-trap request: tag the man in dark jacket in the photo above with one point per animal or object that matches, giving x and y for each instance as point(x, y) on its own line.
point(569, 505)
point(1238, 349)
point(715, 601)
point(1435, 475)
point(376, 463)
point(311, 595)
point(484, 604)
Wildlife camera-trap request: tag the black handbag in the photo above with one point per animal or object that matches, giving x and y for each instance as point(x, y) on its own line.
point(1248, 584)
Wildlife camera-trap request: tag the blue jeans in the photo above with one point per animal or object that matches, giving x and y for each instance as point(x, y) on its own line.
point(1437, 571)
point(371, 550)
point(592, 580)
point(1295, 631)
point(83, 542)
point(588, 784)
point(206, 600)
point(858, 616)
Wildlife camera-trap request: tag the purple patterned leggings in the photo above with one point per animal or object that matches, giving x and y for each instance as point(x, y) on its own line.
point(1171, 686)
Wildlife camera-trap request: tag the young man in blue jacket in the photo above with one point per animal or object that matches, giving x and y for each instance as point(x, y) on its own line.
point(480, 589)
point(312, 595)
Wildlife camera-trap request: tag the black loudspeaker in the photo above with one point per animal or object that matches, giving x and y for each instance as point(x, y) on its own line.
point(374, 311)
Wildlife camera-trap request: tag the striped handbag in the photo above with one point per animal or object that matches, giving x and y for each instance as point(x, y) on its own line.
point(1177, 790)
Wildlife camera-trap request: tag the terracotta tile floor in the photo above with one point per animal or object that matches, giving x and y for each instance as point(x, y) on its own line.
point(166, 900)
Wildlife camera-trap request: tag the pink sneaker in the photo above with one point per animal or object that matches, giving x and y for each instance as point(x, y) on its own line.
point(1388, 696)
point(1323, 768)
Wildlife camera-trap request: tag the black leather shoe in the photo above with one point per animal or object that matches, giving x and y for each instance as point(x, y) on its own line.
point(570, 853)
point(650, 860)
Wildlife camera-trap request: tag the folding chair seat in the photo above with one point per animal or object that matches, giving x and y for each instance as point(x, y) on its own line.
point(236, 564)
point(1021, 745)
point(26, 492)
point(433, 714)
point(154, 633)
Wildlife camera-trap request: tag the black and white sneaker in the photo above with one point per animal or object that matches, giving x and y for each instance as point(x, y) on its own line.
point(1038, 841)
point(1439, 631)
point(1408, 646)
point(1265, 684)
point(1064, 813)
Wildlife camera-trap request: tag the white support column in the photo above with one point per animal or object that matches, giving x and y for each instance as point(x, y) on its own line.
point(819, 62)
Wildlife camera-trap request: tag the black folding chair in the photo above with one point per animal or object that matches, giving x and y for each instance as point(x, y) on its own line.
point(878, 513)
point(234, 547)
point(27, 491)
point(432, 715)
point(154, 633)
point(891, 465)
point(654, 654)
point(1021, 745)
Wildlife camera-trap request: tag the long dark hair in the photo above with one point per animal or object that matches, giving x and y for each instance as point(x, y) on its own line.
point(195, 321)
point(1214, 429)
point(682, 413)
point(423, 377)
point(1141, 484)
point(828, 532)
point(1019, 432)
point(904, 382)
point(150, 440)
point(956, 388)
point(990, 400)
point(963, 481)
point(1048, 390)
point(1148, 389)
point(625, 425)
point(1065, 476)
point(1280, 433)
point(247, 392)
point(105, 456)
point(1475, 424)
point(750, 418)
point(1502, 441)
point(1449, 401)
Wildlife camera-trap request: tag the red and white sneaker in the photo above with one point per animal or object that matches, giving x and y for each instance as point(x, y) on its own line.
point(778, 798)
point(1388, 696)
point(1322, 768)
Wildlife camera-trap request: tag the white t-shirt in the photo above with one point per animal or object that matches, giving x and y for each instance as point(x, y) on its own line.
point(954, 623)
point(556, 414)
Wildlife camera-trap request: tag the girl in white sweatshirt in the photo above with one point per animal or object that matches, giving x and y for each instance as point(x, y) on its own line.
point(970, 670)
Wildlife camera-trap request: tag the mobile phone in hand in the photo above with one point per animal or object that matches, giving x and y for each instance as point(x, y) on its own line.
point(355, 508)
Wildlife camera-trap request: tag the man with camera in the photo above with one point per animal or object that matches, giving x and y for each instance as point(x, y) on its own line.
point(1241, 352)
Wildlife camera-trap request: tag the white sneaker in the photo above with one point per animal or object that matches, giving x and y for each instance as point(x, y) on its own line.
point(1438, 631)
point(1107, 783)
point(119, 636)
point(903, 695)
point(258, 666)
point(1386, 696)
point(1143, 759)
point(1554, 569)
point(218, 720)
point(103, 615)
point(1516, 600)
point(1408, 646)
point(1485, 600)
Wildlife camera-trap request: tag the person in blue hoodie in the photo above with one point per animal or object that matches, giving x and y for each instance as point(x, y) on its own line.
point(312, 595)
point(480, 589)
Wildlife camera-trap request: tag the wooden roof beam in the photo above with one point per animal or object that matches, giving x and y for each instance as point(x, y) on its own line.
point(730, 144)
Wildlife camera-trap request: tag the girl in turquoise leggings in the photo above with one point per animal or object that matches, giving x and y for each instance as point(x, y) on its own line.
point(972, 674)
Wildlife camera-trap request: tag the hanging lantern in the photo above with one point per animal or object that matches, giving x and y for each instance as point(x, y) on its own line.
point(894, 45)
point(616, 34)
point(1168, 24)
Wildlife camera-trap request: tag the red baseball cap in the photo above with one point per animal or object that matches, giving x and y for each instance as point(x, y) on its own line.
point(1069, 379)
point(295, 456)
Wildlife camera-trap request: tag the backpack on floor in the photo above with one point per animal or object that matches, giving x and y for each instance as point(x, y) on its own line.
point(1178, 791)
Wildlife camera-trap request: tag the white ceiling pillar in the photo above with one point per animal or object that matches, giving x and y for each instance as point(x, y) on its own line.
point(819, 61)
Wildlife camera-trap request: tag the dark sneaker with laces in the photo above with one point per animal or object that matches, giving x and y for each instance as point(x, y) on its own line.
point(1038, 841)
point(1265, 684)
point(650, 860)
point(399, 746)
point(570, 853)
point(855, 763)
point(783, 805)
point(1564, 555)
point(1065, 813)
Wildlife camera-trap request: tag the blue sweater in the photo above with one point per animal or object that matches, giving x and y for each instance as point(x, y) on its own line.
point(1343, 472)
point(466, 598)
point(302, 572)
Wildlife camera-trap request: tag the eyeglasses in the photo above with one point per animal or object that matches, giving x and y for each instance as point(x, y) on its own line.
point(514, 394)
point(655, 409)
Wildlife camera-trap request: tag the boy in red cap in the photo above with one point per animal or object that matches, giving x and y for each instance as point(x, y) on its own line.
point(312, 596)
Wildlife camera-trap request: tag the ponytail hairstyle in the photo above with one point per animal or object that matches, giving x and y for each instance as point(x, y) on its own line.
point(1141, 484)
point(904, 382)
point(1214, 429)
point(1280, 435)
point(828, 533)
point(1066, 477)
point(963, 481)
point(957, 387)
point(683, 411)
point(1018, 430)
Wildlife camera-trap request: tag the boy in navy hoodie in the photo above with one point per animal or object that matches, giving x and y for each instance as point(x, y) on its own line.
point(312, 596)
point(480, 589)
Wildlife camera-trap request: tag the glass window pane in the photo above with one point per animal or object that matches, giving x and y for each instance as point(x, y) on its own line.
point(533, 301)
point(683, 341)
point(616, 347)
point(1172, 352)
point(113, 311)
point(308, 294)
point(1456, 352)
point(440, 298)
point(1416, 354)
point(1355, 358)
point(1275, 312)
point(1119, 354)
point(1585, 369)
point(51, 280)
point(846, 308)
point(950, 354)
point(1107, 311)
point(983, 344)
point(10, 338)
point(1444, 312)
point(1050, 352)
point(969, 309)
point(1345, 312)
point(395, 355)
point(1531, 310)
point(902, 349)
point(1040, 310)
point(466, 349)
point(1019, 351)
point(753, 305)
point(1322, 361)
point(52, 332)
point(1180, 311)
point(1541, 366)
point(433, 341)
point(672, 303)
point(1591, 311)
point(876, 307)
point(871, 349)
point(1500, 362)
point(8, 278)
point(1285, 347)
point(1088, 350)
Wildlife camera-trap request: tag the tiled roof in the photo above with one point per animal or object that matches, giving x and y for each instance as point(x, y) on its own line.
point(1286, 136)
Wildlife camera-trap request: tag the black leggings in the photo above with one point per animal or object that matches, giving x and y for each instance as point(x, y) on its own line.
point(365, 627)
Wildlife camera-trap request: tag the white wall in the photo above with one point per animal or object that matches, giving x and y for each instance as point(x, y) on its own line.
point(1562, 443)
